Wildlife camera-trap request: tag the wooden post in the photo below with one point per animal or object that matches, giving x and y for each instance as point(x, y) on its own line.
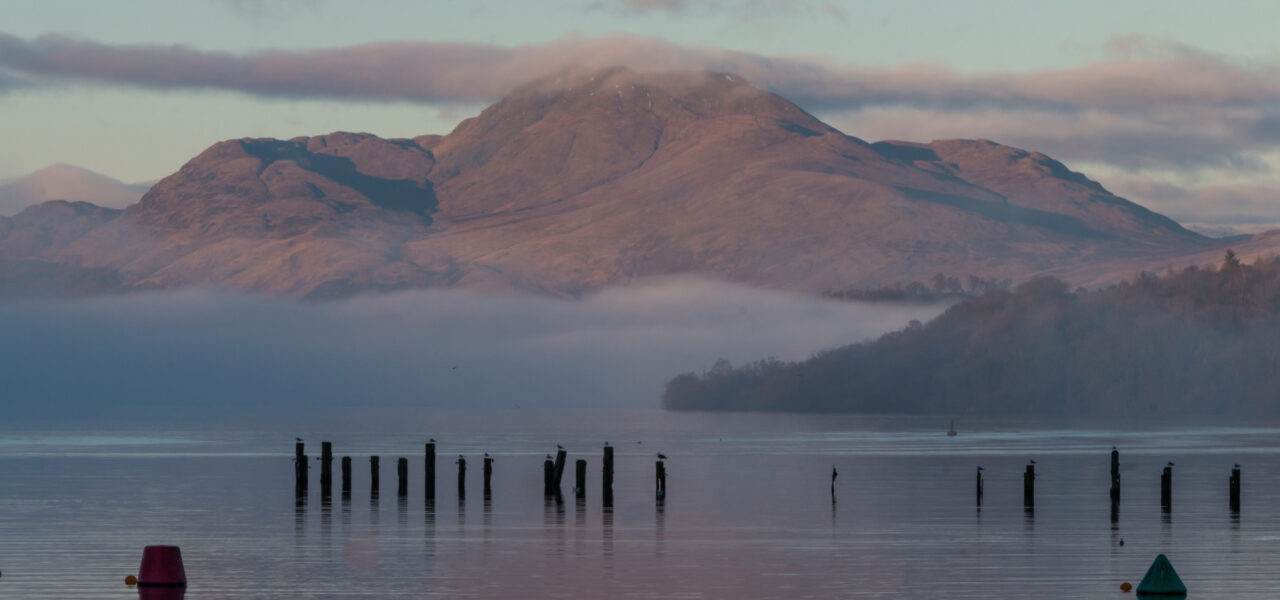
point(346, 476)
point(1234, 484)
point(661, 482)
point(402, 474)
point(488, 476)
point(548, 476)
point(580, 478)
point(979, 487)
point(559, 471)
point(606, 483)
point(1166, 488)
point(430, 471)
point(373, 475)
point(299, 470)
point(462, 478)
point(1115, 475)
point(1029, 487)
point(326, 470)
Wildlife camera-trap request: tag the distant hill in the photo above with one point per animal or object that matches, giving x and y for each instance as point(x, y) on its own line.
point(1194, 341)
point(592, 178)
point(66, 182)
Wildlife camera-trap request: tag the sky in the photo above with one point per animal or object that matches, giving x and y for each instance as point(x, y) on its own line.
point(1173, 104)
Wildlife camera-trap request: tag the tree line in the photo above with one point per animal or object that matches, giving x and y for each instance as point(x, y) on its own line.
point(1189, 341)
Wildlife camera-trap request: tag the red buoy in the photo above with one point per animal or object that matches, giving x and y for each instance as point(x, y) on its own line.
point(162, 566)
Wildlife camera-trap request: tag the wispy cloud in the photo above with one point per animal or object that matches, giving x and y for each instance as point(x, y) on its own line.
point(715, 7)
point(191, 353)
point(1231, 207)
point(1159, 138)
point(258, 10)
point(441, 71)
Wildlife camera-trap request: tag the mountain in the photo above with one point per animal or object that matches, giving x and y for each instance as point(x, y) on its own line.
point(66, 182)
point(589, 178)
point(1192, 341)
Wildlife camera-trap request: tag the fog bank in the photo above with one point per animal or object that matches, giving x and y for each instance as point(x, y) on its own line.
point(184, 354)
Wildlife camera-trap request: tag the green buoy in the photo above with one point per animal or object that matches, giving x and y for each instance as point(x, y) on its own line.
point(1161, 580)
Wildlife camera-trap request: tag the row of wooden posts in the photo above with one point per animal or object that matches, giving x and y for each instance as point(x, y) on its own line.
point(1166, 486)
point(553, 470)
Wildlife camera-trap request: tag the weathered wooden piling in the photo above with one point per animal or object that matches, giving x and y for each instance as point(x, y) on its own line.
point(373, 475)
point(402, 476)
point(979, 486)
point(580, 478)
point(1029, 487)
point(606, 483)
point(1115, 475)
point(1166, 488)
point(430, 471)
point(660, 479)
point(299, 469)
point(326, 469)
point(1234, 484)
point(548, 477)
point(559, 469)
point(346, 476)
point(488, 476)
point(462, 478)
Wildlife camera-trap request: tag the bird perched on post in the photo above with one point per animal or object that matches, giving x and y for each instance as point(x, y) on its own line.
point(980, 467)
point(662, 456)
point(1170, 464)
point(298, 439)
point(432, 440)
point(559, 447)
point(548, 457)
point(486, 455)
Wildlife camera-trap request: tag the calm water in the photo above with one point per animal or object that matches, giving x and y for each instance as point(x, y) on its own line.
point(747, 515)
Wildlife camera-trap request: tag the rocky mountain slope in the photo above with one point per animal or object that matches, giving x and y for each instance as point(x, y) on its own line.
point(591, 178)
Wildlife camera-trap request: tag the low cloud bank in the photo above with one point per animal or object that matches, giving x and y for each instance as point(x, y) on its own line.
point(170, 356)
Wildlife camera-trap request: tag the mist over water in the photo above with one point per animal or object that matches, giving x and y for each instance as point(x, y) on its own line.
point(177, 355)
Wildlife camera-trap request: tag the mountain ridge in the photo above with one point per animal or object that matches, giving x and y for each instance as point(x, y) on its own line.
point(597, 177)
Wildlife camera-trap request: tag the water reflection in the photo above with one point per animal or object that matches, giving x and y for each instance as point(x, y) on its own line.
point(660, 527)
point(606, 535)
point(909, 532)
point(161, 593)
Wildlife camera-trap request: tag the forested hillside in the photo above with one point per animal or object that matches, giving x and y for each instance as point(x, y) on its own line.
point(1195, 341)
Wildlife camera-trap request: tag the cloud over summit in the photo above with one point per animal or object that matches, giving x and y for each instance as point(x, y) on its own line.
point(1150, 104)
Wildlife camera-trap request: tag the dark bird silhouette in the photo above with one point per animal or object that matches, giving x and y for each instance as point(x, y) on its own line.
point(662, 456)
point(980, 467)
point(461, 456)
point(559, 447)
point(606, 443)
point(1033, 462)
point(454, 368)
point(1121, 541)
point(432, 440)
point(1237, 465)
point(1170, 463)
point(548, 457)
point(1113, 447)
point(486, 455)
point(297, 439)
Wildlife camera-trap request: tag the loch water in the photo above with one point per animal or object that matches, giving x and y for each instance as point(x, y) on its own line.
point(748, 511)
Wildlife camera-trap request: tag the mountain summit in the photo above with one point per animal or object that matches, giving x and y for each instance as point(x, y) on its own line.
point(596, 177)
